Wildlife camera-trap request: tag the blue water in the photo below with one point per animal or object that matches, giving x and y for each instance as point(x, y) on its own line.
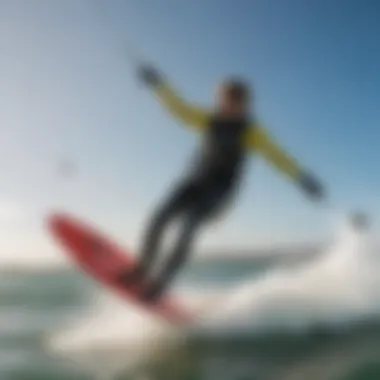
point(58, 324)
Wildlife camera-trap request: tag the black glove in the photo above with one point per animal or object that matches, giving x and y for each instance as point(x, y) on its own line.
point(149, 75)
point(311, 186)
point(360, 221)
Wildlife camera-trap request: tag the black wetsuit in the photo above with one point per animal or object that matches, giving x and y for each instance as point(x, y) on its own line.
point(211, 182)
point(203, 192)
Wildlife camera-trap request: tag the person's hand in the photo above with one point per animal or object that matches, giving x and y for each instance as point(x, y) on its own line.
point(360, 221)
point(311, 186)
point(149, 75)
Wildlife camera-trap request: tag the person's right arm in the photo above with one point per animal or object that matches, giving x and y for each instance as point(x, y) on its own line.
point(189, 114)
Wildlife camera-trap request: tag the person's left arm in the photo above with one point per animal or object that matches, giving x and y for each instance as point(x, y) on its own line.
point(259, 140)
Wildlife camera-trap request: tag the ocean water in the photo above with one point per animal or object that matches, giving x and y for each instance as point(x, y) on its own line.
point(313, 319)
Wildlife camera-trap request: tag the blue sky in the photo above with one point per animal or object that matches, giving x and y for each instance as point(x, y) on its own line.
point(69, 91)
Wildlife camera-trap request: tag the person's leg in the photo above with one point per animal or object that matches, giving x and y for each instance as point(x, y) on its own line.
point(209, 200)
point(155, 232)
point(190, 226)
point(171, 208)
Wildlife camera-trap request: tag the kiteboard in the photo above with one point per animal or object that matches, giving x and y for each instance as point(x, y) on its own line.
point(104, 260)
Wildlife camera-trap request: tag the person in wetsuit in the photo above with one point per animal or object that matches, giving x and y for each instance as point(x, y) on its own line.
point(228, 133)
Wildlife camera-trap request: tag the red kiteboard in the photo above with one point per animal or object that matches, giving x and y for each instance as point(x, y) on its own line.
point(101, 258)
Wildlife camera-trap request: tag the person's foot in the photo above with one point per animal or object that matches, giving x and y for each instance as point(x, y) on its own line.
point(152, 292)
point(131, 277)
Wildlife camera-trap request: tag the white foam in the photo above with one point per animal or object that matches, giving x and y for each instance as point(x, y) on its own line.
point(341, 286)
point(118, 336)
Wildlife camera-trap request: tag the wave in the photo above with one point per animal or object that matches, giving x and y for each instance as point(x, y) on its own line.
point(335, 289)
point(338, 288)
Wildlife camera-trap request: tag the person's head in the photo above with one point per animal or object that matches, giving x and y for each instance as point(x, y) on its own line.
point(233, 98)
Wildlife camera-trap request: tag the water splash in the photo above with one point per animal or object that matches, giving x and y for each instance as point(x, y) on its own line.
point(340, 287)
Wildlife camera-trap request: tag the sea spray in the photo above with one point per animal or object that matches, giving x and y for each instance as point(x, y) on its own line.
point(339, 287)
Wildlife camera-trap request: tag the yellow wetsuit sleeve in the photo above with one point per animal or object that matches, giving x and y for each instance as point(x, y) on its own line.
point(259, 140)
point(193, 116)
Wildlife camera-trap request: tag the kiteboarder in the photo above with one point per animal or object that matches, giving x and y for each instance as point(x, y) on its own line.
point(229, 132)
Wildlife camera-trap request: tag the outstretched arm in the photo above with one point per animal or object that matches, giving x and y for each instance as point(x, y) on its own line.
point(258, 139)
point(189, 114)
point(194, 117)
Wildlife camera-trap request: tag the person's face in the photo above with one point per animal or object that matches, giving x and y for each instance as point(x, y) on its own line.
point(229, 105)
